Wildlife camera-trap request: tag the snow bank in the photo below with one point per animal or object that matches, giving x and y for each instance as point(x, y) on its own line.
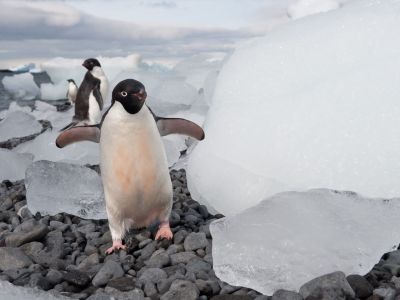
point(21, 86)
point(302, 8)
point(293, 237)
point(314, 104)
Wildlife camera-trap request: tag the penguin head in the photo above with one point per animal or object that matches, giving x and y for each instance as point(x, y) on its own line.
point(71, 80)
point(131, 94)
point(90, 63)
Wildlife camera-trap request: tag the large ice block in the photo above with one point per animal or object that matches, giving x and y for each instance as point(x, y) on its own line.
point(21, 86)
point(18, 124)
point(11, 292)
point(292, 237)
point(13, 165)
point(53, 188)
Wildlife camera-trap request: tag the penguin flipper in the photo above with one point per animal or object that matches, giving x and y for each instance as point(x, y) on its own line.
point(180, 126)
point(78, 134)
point(98, 97)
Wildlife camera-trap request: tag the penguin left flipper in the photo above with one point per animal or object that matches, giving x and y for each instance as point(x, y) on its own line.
point(180, 126)
point(98, 97)
point(78, 134)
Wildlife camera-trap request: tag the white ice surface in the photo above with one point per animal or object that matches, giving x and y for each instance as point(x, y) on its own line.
point(18, 124)
point(11, 292)
point(53, 188)
point(302, 8)
point(21, 86)
point(49, 91)
point(13, 165)
point(293, 237)
point(314, 104)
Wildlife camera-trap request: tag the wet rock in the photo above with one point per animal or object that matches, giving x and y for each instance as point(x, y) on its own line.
point(11, 258)
point(181, 290)
point(195, 240)
point(19, 238)
point(360, 285)
point(109, 270)
point(158, 260)
point(122, 284)
point(154, 275)
point(37, 280)
point(76, 278)
point(182, 257)
point(286, 295)
point(54, 276)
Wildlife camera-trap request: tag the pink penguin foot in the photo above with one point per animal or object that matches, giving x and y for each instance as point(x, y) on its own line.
point(164, 232)
point(117, 245)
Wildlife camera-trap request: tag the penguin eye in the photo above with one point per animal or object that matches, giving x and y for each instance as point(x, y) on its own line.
point(124, 94)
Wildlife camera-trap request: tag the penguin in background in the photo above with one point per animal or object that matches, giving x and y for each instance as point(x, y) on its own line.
point(134, 168)
point(72, 91)
point(89, 99)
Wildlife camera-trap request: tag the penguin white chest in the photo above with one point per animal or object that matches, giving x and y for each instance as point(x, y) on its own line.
point(133, 164)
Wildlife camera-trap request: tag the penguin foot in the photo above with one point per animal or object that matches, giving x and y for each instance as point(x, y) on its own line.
point(164, 232)
point(117, 245)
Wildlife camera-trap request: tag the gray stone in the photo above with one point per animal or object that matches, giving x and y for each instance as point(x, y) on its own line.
point(55, 244)
point(135, 294)
point(88, 262)
point(54, 276)
point(360, 285)
point(158, 260)
point(19, 238)
point(180, 236)
point(59, 226)
point(286, 295)
point(333, 286)
point(392, 258)
point(16, 273)
point(109, 270)
point(195, 240)
point(154, 275)
point(164, 285)
point(182, 257)
point(150, 289)
point(392, 268)
point(122, 284)
point(76, 278)
point(262, 297)
point(13, 258)
point(181, 290)
point(37, 280)
point(148, 250)
point(232, 297)
point(197, 265)
point(385, 293)
point(86, 228)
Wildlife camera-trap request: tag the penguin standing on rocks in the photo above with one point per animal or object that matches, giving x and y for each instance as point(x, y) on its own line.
point(134, 169)
point(90, 95)
point(72, 91)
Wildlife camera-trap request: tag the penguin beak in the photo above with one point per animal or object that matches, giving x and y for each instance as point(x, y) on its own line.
point(142, 95)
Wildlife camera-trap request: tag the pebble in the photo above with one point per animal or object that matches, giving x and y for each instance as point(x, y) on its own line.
point(11, 258)
point(76, 278)
point(181, 290)
point(18, 238)
point(361, 287)
point(182, 257)
point(154, 275)
point(286, 295)
point(109, 270)
point(195, 240)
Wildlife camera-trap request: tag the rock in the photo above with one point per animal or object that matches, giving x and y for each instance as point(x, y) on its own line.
point(158, 260)
point(392, 258)
point(37, 280)
point(195, 240)
point(180, 236)
point(11, 258)
point(122, 284)
point(197, 265)
point(88, 262)
point(109, 270)
point(55, 244)
point(19, 238)
point(54, 276)
point(181, 290)
point(182, 257)
point(57, 225)
point(385, 293)
point(148, 250)
point(231, 297)
point(333, 286)
point(286, 295)
point(13, 274)
point(154, 275)
point(361, 287)
point(150, 289)
point(76, 278)
point(135, 294)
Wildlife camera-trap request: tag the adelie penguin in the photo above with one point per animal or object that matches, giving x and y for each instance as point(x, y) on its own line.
point(134, 169)
point(90, 95)
point(72, 91)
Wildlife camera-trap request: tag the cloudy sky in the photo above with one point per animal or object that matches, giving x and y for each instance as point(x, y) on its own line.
point(36, 30)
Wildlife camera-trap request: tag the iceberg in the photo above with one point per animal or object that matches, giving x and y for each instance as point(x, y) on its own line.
point(293, 237)
point(53, 188)
point(21, 86)
point(305, 107)
point(49, 91)
point(18, 124)
point(13, 165)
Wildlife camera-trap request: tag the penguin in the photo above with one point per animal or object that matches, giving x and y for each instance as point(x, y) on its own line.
point(134, 168)
point(72, 91)
point(90, 95)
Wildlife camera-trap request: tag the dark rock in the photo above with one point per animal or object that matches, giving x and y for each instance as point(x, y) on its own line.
point(148, 250)
point(11, 258)
point(197, 265)
point(158, 260)
point(37, 280)
point(150, 289)
point(231, 297)
point(76, 278)
point(35, 233)
point(54, 276)
point(109, 270)
point(203, 211)
point(181, 290)
point(195, 240)
point(88, 262)
point(131, 295)
point(13, 274)
point(55, 244)
point(360, 285)
point(385, 293)
point(122, 284)
point(57, 225)
point(180, 236)
point(154, 275)
point(286, 295)
point(182, 257)
point(331, 286)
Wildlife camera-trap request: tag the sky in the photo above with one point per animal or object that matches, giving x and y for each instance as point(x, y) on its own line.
point(37, 30)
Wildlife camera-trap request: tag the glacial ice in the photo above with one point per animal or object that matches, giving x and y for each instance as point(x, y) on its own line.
point(293, 237)
point(13, 165)
point(49, 91)
point(11, 292)
point(54, 187)
point(21, 86)
point(305, 107)
point(18, 124)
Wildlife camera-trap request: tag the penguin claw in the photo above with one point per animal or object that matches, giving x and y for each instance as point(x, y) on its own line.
point(164, 233)
point(117, 245)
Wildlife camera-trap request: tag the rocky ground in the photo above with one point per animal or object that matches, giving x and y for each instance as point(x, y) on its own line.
point(64, 255)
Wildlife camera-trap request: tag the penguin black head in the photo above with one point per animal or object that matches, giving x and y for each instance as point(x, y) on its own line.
point(90, 63)
point(131, 94)
point(71, 80)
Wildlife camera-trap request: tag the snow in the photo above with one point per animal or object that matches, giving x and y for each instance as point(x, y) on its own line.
point(13, 165)
point(21, 86)
point(18, 124)
point(11, 292)
point(306, 106)
point(50, 91)
point(53, 188)
point(302, 8)
point(293, 237)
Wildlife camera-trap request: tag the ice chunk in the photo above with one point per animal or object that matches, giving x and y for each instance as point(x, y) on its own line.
point(18, 124)
point(292, 237)
point(306, 107)
point(13, 165)
point(302, 8)
point(174, 144)
point(11, 292)
point(21, 86)
point(53, 188)
point(50, 91)
point(14, 107)
point(44, 147)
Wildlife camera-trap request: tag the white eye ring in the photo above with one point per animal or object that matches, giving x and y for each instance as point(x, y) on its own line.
point(124, 94)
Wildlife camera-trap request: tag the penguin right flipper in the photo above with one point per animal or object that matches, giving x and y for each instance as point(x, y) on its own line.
point(98, 97)
point(78, 134)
